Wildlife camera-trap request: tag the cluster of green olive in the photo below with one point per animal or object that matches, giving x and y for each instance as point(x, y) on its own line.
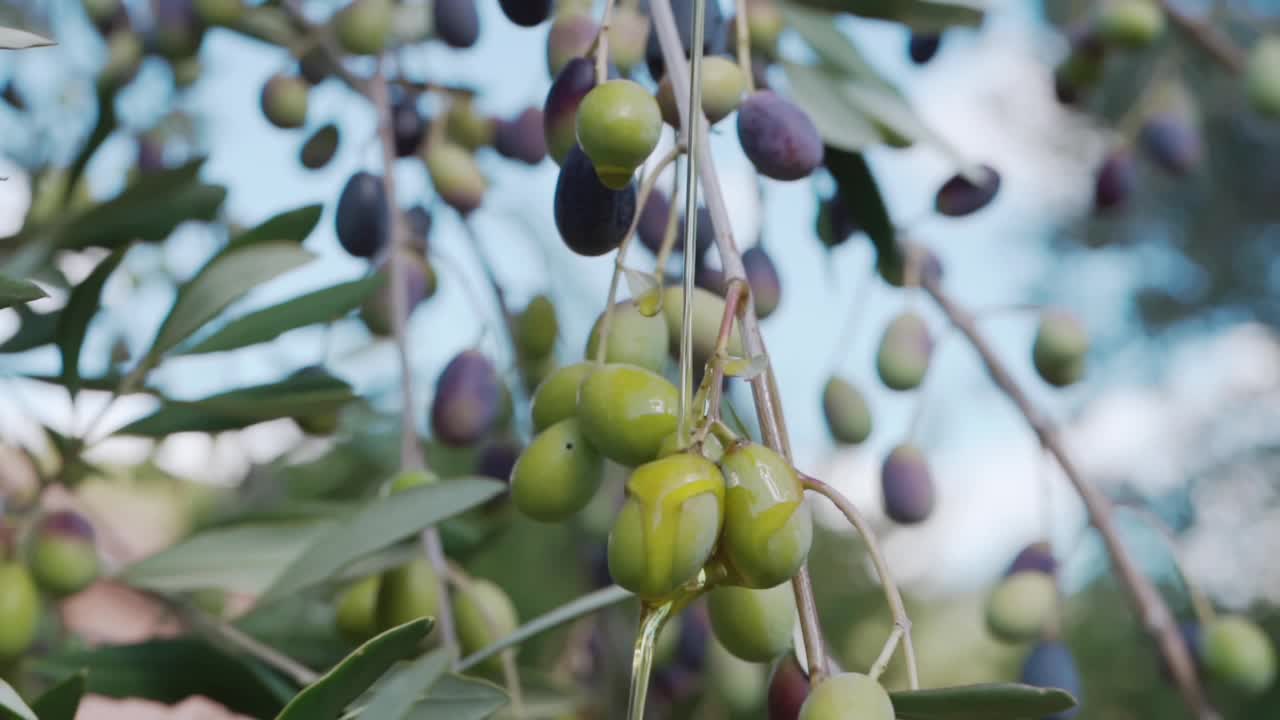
point(56, 558)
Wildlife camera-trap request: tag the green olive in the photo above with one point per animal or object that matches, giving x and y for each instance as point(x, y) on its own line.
point(845, 409)
point(668, 526)
point(712, 448)
point(903, 356)
point(219, 12)
point(407, 593)
point(634, 339)
point(1021, 605)
point(723, 87)
point(627, 411)
point(63, 558)
point(357, 610)
point(845, 696)
point(467, 127)
point(19, 610)
point(557, 475)
point(754, 625)
point(1238, 654)
point(708, 310)
point(455, 175)
point(284, 101)
point(557, 396)
point(537, 327)
point(618, 126)
point(767, 527)
point(628, 32)
point(739, 683)
point(1262, 76)
point(484, 614)
point(1133, 24)
point(1060, 348)
point(365, 26)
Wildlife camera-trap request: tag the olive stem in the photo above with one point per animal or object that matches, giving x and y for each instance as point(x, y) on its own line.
point(691, 217)
point(1200, 604)
point(510, 674)
point(1151, 608)
point(646, 189)
point(886, 653)
point(602, 44)
point(232, 635)
point(892, 595)
point(713, 378)
point(669, 232)
point(744, 46)
point(411, 456)
point(1214, 43)
point(763, 388)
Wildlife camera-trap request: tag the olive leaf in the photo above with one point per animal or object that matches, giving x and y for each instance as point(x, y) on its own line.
point(994, 701)
point(291, 225)
point(393, 699)
point(858, 189)
point(74, 319)
point(11, 706)
point(14, 291)
point(15, 39)
point(61, 701)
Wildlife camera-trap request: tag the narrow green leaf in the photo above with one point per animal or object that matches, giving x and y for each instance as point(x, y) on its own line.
point(102, 130)
point(393, 699)
point(460, 698)
point(919, 15)
point(289, 226)
point(73, 321)
point(167, 671)
point(34, 330)
point(382, 522)
point(325, 305)
point(298, 395)
point(61, 701)
point(15, 39)
point(329, 696)
point(995, 701)
point(839, 122)
point(14, 291)
point(244, 558)
point(225, 279)
point(857, 187)
point(11, 704)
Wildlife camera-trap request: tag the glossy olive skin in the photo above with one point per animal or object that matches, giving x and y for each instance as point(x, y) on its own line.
point(63, 559)
point(537, 327)
point(1059, 349)
point(560, 109)
point(456, 176)
point(723, 86)
point(959, 196)
point(1050, 664)
point(556, 398)
point(364, 26)
point(456, 22)
point(468, 400)
point(618, 126)
point(361, 220)
point(634, 339)
point(846, 412)
point(484, 614)
point(592, 218)
point(284, 101)
point(627, 412)
point(19, 610)
point(320, 148)
point(558, 474)
point(905, 349)
point(667, 528)
point(754, 625)
point(1262, 77)
point(767, 527)
point(778, 137)
point(357, 610)
point(407, 593)
point(1239, 655)
point(906, 484)
point(1020, 605)
point(845, 696)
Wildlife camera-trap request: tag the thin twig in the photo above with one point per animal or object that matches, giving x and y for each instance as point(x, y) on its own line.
point(602, 44)
point(241, 640)
point(411, 455)
point(744, 46)
point(360, 85)
point(691, 219)
point(763, 388)
point(891, 593)
point(1200, 604)
point(1151, 608)
point(1214, 43)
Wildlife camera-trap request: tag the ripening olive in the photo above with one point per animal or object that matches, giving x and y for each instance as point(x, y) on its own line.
point(522, 137)
point(1050, 664)
point(176, 30)
point(420, 285)
point(723, 86)
point(788, 688)
point(537, 327)
point(19, 610)
point(767, 527)
point(484, 614)
point(1060, 348)
point(848, 695)
point(592, 218)
point(1238, 654)
point(468, 399)
point(319, 149)
point(560, 109)
point(762, 276)
point(754, 625)
point(634, 339)
point(834, 224)
point(365, 26)
point(627, 411)
point(534, 370)
point(408, 126)
point(1262, 76)
point(407, 593)
point(557, 396)
point(1020, 606)
point(102, 10)
point(708, 311)
point(186, 72)
point(845, 409)
point(361, 219)
point(960, 196)
point(668, 526)
point(456, 22)
point(284, 101)
point(1038, 557)
point(124, 56)
point(1116, 180)
point(526, 13)
point(456, 176)
point(1132, 24)
point(628, 34)
point(558, 474)
point(62, 557)
point(570, 37)
point(764, 25)
point(906, 485)
point(466, 126)
point(618, 126)
point(903, 356)
point(219, 12)
point(778, 137)
point(1173, 142)
point(923, 46)
point(357, 610)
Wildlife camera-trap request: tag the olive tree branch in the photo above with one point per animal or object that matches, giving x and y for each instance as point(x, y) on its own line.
point(901, 622)
point(1151, 608)
point(1208, 38)
point(411, 456)
point(1200, 604)
point(694, 139)
point(764, 386)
